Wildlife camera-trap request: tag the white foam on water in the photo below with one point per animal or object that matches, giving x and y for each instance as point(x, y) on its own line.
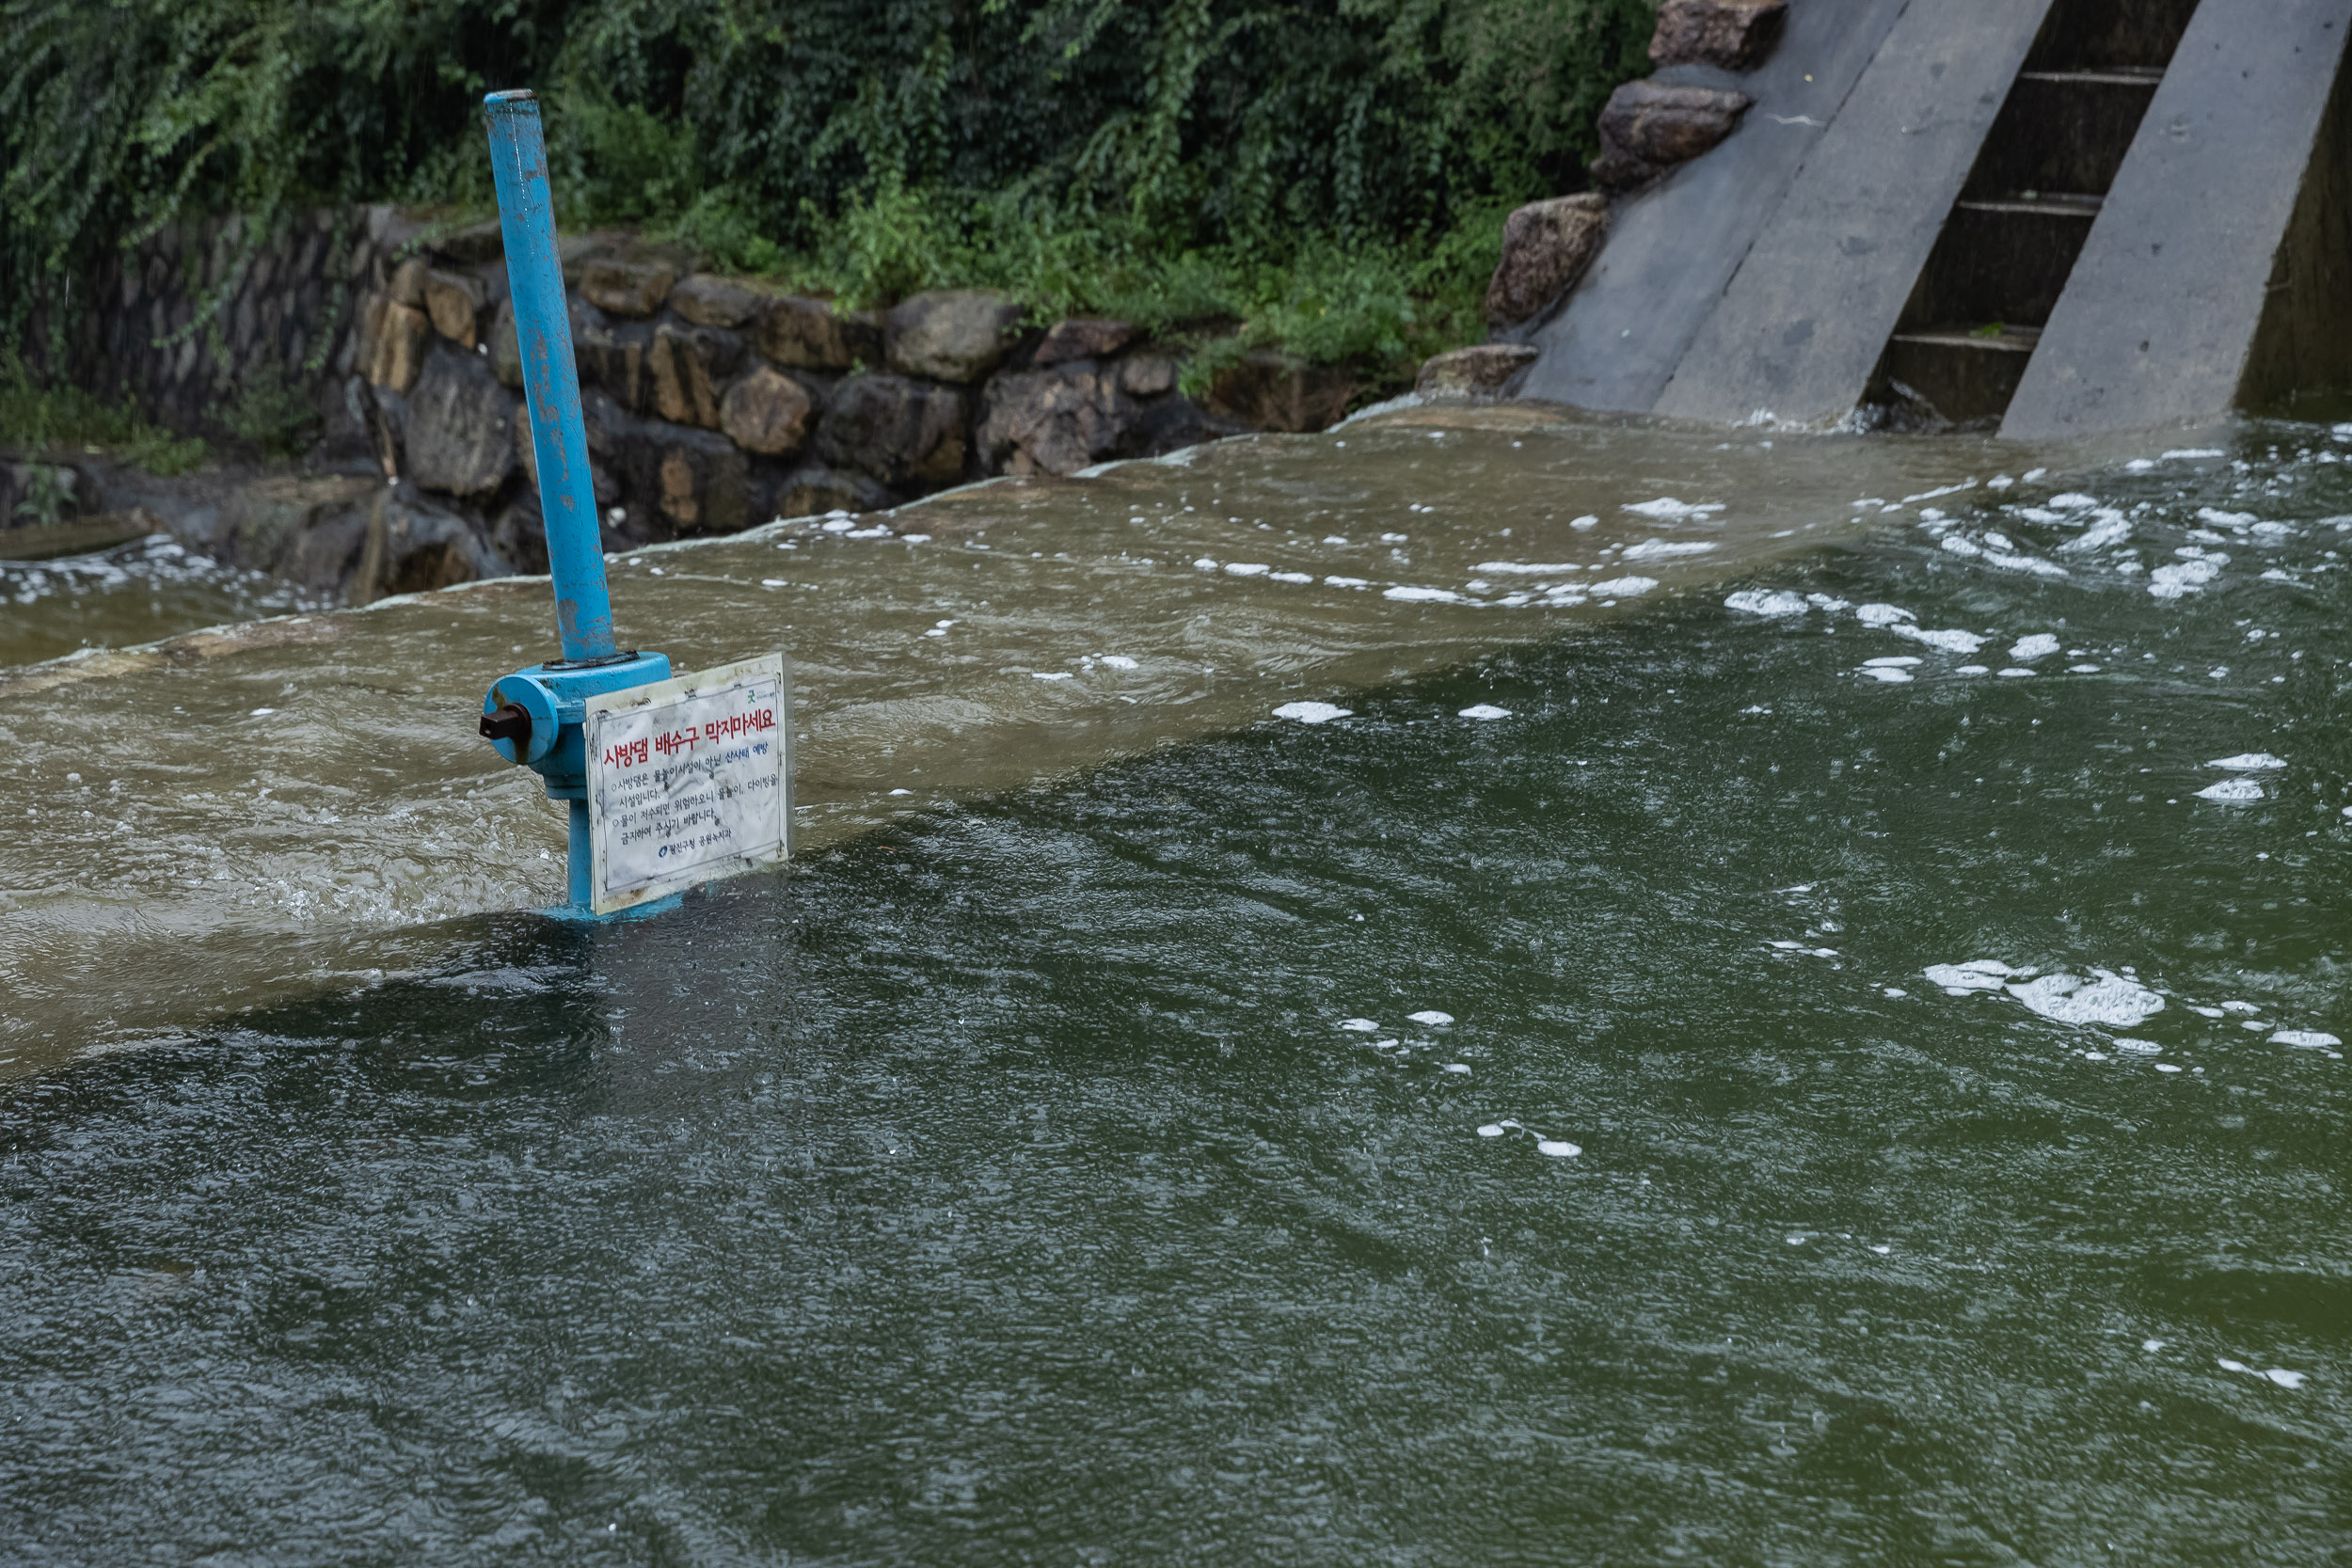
point(2040, 644)
point(2232, 790)
point(1975, 975)
point(2180, 454)
point(1660, 549)
point(2305, 1039)
point(1881, 1248)
point(2094, 1056)
point(1892, 661)
point(1973, 669)
point(2074, 501)
point(1290, 576)
point(2167, 1067)
point(1758, 601)
point(1483, 710)
point(1347, 582)
point(2278, 1375)
point(1950, 640)
point(2185, 576)
point(1205, 564)
point(1462, 1067)
point(2139, 1048)
point(1957, 545)
point(1359, 1026)
point(1248, 568)
point(1556, 1149)
point(2151, 1346)
point(2082, 669)
point(1883, 614)
point(2235, 1005)
point(1528, 568)
point(1431, 1017)
point(1120, 661)
point(2111, 527)
point(1623, 588)
point(1312, 713)
point(2106, 998)
point(1050, 674)
point(1666, 506)
point(1491, 1130)
point(1423, 595)
point(772, 583)
point(1893, 993)
point(1892, 677)
point(2013, 672)
point(2248, 762)
point(1580, 524)
point(902, 792)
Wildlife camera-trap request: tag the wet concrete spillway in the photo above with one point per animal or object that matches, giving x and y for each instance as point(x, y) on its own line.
point(1492, 986)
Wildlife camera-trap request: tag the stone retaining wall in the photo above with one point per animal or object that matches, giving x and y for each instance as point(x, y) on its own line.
point(713, 403)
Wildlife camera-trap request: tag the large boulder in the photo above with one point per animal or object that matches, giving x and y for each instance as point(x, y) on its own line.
point(1546, 248)
point(695, 481)
point(454, 301)
point(690, 364)
point(396, 336)
point(709, 300)
point(766, 412)
point(614, 355)
point(1280, 391)
point(1647, 128)
point(1480, 370)
point(627, 285)
point(460, 427)
point(1729, 35)
point(903, 431)
point(1056, 421)
point(952, 334)
point(814, 488)
point(414, 546)
point(506, 354)
point(809, 335)
point(1083, 337)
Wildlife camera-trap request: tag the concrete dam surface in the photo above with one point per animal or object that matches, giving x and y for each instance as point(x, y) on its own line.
point(2048, 216)
point(1490, 986)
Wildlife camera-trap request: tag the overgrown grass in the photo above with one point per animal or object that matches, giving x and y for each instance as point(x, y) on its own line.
point(1378, 306)
point(68, 420)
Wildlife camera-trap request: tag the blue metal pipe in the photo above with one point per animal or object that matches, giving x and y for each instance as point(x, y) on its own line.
point(535, 271)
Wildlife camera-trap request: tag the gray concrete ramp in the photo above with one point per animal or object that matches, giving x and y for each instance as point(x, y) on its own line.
point(2220, 218)
point(1615, 342)
point(1804, 319)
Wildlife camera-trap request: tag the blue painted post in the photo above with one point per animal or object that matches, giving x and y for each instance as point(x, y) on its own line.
point(535, 273)
point(534, 716)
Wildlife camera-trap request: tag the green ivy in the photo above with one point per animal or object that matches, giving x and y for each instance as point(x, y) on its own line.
point(1299, 165)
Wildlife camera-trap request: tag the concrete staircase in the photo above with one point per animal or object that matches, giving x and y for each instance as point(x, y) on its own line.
point(2063, 215)
point(2010, 242)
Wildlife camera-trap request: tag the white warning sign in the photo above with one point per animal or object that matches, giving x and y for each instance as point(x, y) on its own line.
point(688, 781)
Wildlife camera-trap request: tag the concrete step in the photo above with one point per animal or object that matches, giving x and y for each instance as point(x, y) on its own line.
point(2105, 35)
point(1953, 375)
point(2002, 259)
point(2063, 131)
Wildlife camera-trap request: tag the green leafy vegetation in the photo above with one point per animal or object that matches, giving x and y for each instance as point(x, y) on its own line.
point(38, 418)
point(1325, 174)
point(272, 414)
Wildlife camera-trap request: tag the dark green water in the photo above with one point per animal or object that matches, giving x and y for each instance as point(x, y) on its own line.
point(1003, 1188)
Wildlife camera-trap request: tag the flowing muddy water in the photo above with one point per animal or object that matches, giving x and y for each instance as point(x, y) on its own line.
point(243, 812)
point(1833, 1059)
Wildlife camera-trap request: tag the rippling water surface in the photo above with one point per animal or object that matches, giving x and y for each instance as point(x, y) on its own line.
point(1831, 1058)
